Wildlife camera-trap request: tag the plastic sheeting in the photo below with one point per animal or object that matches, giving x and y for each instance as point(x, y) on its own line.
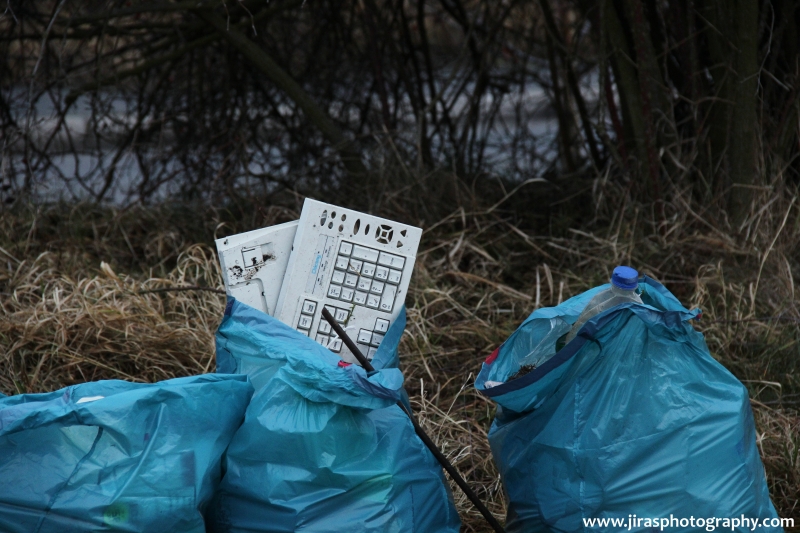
point(633, 416)
point(116, 456)
point(323, 447)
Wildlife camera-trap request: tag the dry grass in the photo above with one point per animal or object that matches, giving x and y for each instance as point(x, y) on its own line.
point(67, 317)
point(62, 327)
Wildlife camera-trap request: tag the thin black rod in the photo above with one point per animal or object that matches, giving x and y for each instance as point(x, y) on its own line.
point(418, 429)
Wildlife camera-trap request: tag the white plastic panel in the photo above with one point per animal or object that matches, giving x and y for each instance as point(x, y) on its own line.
point(254, 264)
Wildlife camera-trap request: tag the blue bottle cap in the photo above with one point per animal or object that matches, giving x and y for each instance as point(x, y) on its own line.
point(625, 277)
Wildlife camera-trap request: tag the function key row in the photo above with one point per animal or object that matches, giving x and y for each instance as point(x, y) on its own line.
point(374, 294)
point(324, 336)
point(371, 255)
point(346, 266)
point(368, 340)
point(310, 306)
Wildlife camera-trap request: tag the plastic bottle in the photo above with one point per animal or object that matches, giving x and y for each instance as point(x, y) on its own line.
point(624, 282)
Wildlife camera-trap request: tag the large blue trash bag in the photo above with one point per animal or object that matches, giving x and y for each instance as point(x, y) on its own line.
point(633, 417)
point(117, 456)
point(323, 447)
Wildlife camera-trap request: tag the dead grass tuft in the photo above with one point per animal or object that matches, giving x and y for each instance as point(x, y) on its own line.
point(61, 328)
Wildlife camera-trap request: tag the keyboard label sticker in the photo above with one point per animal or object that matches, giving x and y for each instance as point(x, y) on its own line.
point(324, 257)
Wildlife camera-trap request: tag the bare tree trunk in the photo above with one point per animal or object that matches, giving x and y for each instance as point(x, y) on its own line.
point(623, 66)
point(733, 45)
point(566, 125)
point(653, 101)
point(744, 127)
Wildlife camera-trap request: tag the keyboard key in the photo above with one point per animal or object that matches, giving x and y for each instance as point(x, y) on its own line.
point(305, 332)
point(364, 336)
point(381, 325)
point(373, 300)
point(371, 353)
point(304, 322)
point(368, 270)
point(381, 273)
point(394, 276)
point(335, 345)
point(345, 248)
point(341, 315)
point(387, 301)
point(363, 348)
point(322, 339)
point(309, 306)
point(390, 260)
point(334, 291)
point(365, 254)
point(324, 327)
point(355, 266)
point(377, 338)
point(360, 298)
point(350, 280)
point(347, 294)
point(385, 259)
point(364, 284)
point(338, 277)
point(342, 262)
point(377, 287)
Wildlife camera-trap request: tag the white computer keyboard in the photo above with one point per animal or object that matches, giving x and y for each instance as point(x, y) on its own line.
point(357, 265)
point(254, 264)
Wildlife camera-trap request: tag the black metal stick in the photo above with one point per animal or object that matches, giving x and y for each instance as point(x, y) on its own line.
point(418, 429)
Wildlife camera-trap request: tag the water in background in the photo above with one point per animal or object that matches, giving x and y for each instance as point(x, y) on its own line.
point(88, 154)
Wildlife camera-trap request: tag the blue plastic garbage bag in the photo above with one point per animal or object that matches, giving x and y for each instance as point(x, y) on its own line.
point(323, 447)
point(633, 417)
point(117, 456)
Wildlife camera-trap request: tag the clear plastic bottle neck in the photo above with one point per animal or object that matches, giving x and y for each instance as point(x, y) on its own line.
point(618, 291)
